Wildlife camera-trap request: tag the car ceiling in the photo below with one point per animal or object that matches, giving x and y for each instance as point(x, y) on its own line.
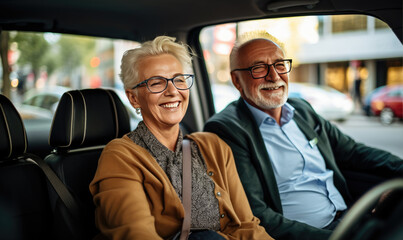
point(144, 19)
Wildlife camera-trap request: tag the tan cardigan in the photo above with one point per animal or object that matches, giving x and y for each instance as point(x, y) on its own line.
point(134, 198)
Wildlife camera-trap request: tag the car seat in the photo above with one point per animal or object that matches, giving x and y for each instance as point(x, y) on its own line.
point(84, 122)
point(25, 211)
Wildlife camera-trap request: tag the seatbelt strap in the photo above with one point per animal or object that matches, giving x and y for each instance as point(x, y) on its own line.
point(186, 188)
point(60, 188)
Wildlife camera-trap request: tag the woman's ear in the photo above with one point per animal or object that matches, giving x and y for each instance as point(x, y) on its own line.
point(132, 96)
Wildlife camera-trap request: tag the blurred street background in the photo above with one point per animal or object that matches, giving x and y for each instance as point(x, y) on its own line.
point(371, 131)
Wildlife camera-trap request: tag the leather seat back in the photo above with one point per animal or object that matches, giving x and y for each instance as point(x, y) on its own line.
point(84, 122)
point(25, 211)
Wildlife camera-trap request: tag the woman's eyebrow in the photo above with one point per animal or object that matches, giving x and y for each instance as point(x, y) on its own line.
point(159, 76)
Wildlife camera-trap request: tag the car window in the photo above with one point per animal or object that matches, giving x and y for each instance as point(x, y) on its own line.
point(336, 63)
point(330, 51)
point(49, 101)
point(36, 101)
point(62, 62)
point(395, 93)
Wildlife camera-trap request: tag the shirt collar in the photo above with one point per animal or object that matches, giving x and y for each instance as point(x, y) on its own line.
point(287, 113)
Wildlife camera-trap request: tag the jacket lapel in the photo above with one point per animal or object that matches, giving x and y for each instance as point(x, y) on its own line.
point(311, 131)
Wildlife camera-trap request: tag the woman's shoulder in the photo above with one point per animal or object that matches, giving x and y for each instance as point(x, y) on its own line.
point(206, 139)
point(125, 150)
point(124, 140)
point(202, 136)
point(121, 143)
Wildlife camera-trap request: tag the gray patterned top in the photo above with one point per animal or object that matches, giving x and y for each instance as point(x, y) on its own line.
point(205, 210)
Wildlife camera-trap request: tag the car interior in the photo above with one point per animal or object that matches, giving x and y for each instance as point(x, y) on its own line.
point(86, 119)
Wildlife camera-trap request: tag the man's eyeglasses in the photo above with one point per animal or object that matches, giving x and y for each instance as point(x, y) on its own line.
point(159, 84)
point(262, 70)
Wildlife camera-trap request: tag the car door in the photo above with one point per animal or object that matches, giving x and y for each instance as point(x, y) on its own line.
point(394, 100)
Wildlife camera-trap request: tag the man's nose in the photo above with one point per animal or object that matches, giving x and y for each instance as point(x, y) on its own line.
point(272, 74)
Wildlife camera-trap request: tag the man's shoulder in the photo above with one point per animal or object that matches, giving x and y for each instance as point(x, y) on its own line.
point(228, 112)
point(230, 115)
point(299, 103)
point(303, 108)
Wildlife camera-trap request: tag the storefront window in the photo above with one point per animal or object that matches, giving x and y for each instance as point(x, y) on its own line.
point(347, 23)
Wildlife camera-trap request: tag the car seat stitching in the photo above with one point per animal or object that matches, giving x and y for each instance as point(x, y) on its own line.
point(85, 118)
point(116, 113)
point(24, 131)
point(51, 126)
point(71, 120)
point(23, 128)
point(8, 130)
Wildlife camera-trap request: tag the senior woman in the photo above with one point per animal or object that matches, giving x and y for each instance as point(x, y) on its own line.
point(137, 188)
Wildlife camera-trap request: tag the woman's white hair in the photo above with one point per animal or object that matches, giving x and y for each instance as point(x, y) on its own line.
point(160, 45)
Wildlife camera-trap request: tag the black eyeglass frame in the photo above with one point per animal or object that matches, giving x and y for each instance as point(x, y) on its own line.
point(167, 80)
point(268, 68)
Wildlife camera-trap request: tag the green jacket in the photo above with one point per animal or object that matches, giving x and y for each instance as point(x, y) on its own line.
point(237, 127)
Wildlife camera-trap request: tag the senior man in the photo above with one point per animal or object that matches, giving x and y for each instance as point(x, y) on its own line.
point(287, 156)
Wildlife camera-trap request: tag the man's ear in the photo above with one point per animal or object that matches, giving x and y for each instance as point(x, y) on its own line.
point(236, 81)
point(133, 99)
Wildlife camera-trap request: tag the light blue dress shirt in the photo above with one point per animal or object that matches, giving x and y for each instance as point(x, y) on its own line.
point(306, 187)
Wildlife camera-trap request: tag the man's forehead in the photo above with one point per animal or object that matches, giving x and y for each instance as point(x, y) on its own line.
point(261, 50)
point(259, 42)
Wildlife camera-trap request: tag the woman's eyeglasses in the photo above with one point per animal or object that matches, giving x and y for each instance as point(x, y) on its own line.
point(159, 84)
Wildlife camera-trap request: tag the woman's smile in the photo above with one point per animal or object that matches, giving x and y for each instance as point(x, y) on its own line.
point(170, 105)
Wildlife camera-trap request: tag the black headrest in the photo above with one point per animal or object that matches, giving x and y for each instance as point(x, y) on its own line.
point(13, 139)
point(87, 118)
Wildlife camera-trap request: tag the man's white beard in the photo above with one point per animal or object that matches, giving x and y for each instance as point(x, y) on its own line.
point(276, 100)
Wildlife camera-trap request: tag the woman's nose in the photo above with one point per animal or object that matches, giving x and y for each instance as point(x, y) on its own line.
point(171, 88)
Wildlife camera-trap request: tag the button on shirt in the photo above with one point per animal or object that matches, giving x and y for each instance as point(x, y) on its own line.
point(306, 187)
